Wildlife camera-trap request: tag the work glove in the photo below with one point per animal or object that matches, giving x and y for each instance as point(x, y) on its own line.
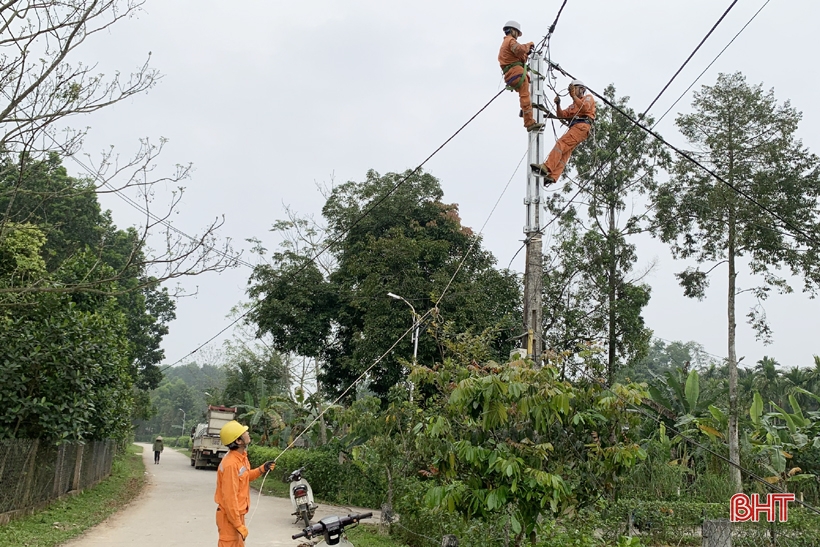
point(243, 531)
point(557, 101)
point(530, 47)
point(267, 466)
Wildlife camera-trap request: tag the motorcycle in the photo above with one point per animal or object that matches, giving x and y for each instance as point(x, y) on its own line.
point(301, 496)
point(332, 530)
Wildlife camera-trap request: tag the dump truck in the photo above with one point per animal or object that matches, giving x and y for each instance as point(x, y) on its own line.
point(206, 448)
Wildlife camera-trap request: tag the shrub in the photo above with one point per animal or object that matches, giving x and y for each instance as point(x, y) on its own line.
point(344, 483)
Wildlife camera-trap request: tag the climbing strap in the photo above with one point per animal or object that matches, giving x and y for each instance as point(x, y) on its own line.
point(521, 79)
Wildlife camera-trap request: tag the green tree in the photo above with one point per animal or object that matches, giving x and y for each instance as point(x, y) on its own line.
point(662, 357)
point(87, 257)
point(246, 365)
point(516, 444)
point(410, 244)
point(591, 293)
point(743, 134)
point(64, 371)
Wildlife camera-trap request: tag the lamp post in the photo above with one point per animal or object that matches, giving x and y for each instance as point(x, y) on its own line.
point(416, 322)
point(182, 431)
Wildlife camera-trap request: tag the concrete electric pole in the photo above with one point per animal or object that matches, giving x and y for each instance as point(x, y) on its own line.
point(534, 267)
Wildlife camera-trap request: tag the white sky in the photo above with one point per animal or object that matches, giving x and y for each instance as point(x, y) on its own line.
point(267, 98)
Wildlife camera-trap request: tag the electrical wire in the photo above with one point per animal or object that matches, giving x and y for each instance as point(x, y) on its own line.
point(749, 22)
point(692, 160)
point(658, 96)
point(338, 238)
point(545, 40)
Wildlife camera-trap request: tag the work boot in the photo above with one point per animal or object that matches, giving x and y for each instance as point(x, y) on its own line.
point(535, 127)
point(539, 169)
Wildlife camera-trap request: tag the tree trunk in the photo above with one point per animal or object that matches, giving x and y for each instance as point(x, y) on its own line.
point(734, 444)
point(612, 281)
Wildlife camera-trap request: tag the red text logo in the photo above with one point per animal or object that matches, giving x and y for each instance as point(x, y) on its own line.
point(743, 508)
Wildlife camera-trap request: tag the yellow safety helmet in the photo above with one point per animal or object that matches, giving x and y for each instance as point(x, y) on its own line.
point(231, 431)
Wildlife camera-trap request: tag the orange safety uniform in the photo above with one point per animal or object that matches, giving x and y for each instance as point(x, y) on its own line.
point(233, 496)
point(580, 114)
point(512, 57)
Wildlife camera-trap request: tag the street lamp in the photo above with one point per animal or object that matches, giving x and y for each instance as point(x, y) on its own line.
point(416, 323)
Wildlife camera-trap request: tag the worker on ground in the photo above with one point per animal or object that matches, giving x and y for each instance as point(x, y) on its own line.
point(513, 57)
point(233, 479)
point(158, 448)
point(579, 116)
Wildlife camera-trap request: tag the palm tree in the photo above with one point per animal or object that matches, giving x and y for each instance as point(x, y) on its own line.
point(769, 381)
point(265, 411)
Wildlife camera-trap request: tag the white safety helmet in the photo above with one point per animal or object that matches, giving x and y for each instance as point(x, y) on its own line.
point(579, 83)
point(512, 24)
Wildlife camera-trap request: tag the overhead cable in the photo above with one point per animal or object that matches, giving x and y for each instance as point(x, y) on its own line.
point(338, 238)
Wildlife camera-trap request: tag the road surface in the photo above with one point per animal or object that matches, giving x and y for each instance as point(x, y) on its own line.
point(177, 509)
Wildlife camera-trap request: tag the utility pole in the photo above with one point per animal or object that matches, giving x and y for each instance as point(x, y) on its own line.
point(533, 271)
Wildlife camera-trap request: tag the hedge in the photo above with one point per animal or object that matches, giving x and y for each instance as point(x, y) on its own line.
point(342, 483)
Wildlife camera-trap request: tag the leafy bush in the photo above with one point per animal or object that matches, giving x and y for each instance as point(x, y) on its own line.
point(345, 483)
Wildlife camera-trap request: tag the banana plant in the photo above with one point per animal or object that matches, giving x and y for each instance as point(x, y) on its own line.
point(780, 435)
point(681, 400)
point(681, 396)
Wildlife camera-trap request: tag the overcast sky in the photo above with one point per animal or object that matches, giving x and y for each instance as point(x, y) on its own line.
point(269, 98)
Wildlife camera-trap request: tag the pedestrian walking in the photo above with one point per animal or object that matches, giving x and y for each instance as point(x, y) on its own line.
point(158, 448)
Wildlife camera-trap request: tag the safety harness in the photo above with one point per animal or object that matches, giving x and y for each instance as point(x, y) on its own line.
point(580, 120)
point(521, 79)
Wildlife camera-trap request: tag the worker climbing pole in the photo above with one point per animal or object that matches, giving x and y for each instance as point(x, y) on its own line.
point(513, 60)
point(579, 117)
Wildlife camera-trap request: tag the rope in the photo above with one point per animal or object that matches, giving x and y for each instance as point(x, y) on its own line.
point(418, 321)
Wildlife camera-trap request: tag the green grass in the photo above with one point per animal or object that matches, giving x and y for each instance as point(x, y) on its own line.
point(70, 517)
point(367, 535)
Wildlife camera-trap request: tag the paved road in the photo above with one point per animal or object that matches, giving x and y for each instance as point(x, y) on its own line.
point(177, 510)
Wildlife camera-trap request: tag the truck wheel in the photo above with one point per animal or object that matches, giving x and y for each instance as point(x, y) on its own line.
point(305, 517)
point(192, 462)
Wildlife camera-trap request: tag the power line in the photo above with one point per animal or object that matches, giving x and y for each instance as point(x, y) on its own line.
point(545, 40)
point(689, 158)
point(646, 111)
point(749, 22)
point(417, 321)
point(658, 96)
point(725, 13)
point(335, 240)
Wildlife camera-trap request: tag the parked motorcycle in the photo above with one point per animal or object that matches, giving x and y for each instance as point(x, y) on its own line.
point(301, 496)
point(332, 529)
